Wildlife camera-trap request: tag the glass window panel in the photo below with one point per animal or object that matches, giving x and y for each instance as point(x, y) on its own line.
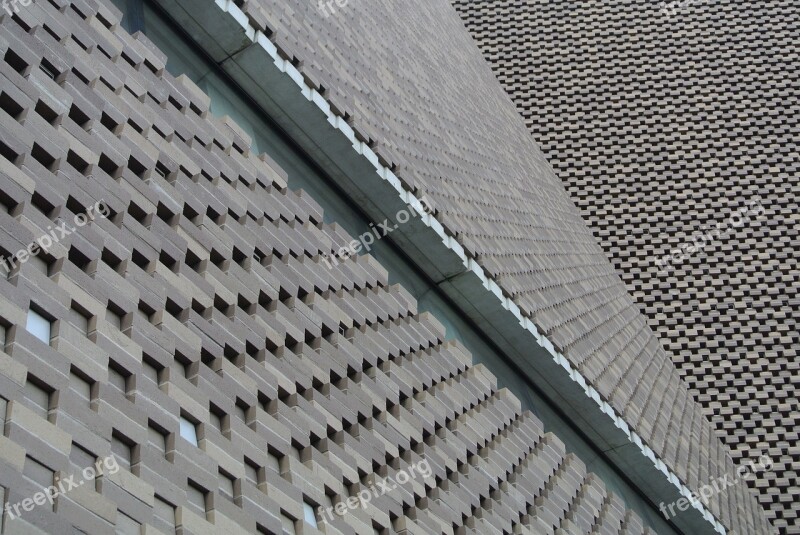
point(188, 431)
point(309, 514)
point(38, 326)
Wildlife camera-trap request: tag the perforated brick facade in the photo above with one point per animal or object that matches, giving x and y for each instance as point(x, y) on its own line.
point(202, 304)
point(662, 120)
point(467, 148)
point(202, 297)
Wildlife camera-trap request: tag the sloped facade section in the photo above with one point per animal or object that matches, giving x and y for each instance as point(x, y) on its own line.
point(665, 120)
point(198, 311)
point(497, 194)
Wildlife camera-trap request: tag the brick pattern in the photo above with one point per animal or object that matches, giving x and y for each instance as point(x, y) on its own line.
point(662, 125)
point(202, 297)
point(433, 111)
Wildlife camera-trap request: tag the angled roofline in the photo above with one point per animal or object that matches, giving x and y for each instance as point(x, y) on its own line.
point(256, 64)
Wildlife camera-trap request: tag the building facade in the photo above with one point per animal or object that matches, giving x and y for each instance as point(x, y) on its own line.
point(673, 125)
point(307, 272)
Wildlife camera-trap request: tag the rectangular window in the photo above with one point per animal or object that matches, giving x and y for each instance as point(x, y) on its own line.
point(39, 263)
point(37, 396)
point(80, 459)
point(118, 377)
point(3, 510)
point(251, 472)
point(3, 410)
point(226, 485)
point(163, 515)
point(189, 431)
point(151, 369)
point(39, 326)
point(114, 318)
point(80, 384)
point(122, 449)
point(39, 474)
point(197, 497)
point(241, 410)
point(287, 523)
point(127, 525)
point(309, 514)
point(218, 419)
point(184, 365)
point(79, 318)
point(157, 437)
point(273, 464)
point(6, 264)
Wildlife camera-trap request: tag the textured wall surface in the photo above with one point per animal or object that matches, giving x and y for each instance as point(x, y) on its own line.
point(663, 123)
point(432, 109)
point(203, 296)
